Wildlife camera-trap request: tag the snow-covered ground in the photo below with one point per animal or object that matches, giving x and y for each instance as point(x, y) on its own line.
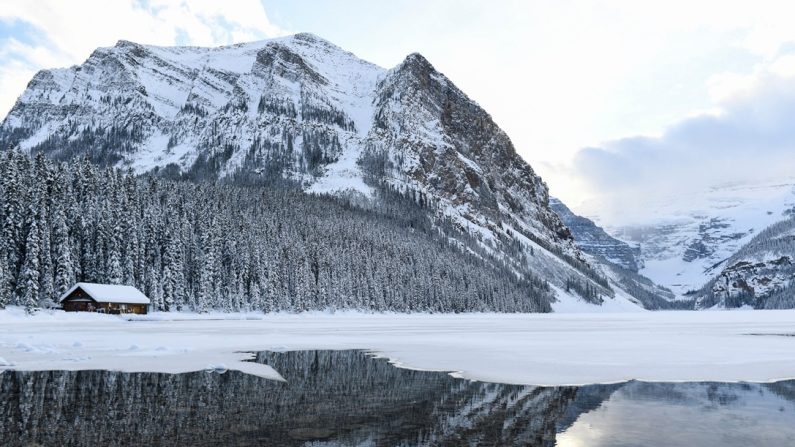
point(543, 349)
point(568, 303)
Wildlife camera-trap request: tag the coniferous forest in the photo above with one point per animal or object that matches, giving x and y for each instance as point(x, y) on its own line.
point(214, 246)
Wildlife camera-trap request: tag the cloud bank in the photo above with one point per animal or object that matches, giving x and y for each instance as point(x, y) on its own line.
point(749, 138)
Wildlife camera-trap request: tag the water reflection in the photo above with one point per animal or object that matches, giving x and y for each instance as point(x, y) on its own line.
point(347, 398)
point(683, 414)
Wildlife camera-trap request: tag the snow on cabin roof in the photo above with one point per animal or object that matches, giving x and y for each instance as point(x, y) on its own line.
point(109, 293)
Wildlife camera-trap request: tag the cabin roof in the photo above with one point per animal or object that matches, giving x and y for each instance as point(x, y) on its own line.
point(109, 293)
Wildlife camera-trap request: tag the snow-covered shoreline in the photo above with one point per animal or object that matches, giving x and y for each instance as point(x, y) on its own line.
point(537, 349)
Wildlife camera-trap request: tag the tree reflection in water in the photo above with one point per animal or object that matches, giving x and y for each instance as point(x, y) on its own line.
point(348, 398)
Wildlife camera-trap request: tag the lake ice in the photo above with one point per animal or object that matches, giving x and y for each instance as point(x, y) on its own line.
point(536, 349)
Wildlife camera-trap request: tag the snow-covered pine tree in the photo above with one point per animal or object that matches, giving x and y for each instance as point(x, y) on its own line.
point(44, 176)
point(115, 273)
point(4, 279)
point(64, 263)
point(12, 213)
point(46, 267)
point(272, 288)
point(154, 288)
point(171, 266)
point(28, 292)
point(206, 277)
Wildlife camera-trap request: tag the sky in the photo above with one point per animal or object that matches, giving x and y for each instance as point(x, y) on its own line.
point(608, 100)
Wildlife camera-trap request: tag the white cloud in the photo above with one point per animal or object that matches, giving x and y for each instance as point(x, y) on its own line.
point(67, 32)
point(749, 138)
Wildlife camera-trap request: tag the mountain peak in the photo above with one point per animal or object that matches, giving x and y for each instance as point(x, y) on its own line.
point(309, 37)
point(416, 58)
point(418, 62)
point(126, 43)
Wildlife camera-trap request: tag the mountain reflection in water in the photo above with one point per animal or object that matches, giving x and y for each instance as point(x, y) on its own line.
point(348, 398)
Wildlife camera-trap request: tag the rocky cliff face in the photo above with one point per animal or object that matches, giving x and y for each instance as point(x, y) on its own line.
point(760, 274)
point(301, 110)
point(443, 144)
point(594, 240)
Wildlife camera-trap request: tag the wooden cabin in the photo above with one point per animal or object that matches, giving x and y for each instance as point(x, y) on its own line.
point(104, 298)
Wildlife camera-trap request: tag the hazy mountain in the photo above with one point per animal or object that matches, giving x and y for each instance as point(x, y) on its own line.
point(594, 240)
point(617, 259)
point(685, 241)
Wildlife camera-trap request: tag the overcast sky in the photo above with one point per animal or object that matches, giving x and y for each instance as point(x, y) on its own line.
point(599, 97)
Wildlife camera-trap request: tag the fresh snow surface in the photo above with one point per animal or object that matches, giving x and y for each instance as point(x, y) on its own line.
point(568, 303)
point(109, 293)
point(344, 175)
point(540, 349)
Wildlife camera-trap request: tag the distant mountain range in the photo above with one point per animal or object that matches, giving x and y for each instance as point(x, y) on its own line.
point(689, 241)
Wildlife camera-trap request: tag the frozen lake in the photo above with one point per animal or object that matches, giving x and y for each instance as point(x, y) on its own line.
point(346, 398)
point(601, 379)
point(526, 349)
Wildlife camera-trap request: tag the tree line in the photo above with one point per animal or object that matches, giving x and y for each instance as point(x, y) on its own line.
point(214, 246)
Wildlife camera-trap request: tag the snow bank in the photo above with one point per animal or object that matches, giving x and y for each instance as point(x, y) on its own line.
point(568, 303)
point(541, 349)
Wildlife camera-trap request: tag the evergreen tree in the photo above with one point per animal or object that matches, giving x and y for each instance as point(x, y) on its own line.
point(13, 216)
point(64, 263)
point(115, 272)
point(4, 280)
point(29, 276)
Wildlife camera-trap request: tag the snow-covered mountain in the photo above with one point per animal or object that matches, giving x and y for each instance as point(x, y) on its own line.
point(685, 241)
point(298, 105)
point(300, 110)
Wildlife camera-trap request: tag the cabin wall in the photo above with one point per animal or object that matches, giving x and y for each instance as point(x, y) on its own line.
point(79, 301)
point(110, 308)
point(121, 308)
point(79, 306)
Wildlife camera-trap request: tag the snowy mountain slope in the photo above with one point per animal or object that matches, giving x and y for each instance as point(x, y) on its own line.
point(617, 261)
point(594, 240)
point(301, 110)
point(685, 241)
point(760, 274)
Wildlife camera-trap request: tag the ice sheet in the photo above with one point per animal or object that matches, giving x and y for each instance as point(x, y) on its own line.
point(540, 349)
